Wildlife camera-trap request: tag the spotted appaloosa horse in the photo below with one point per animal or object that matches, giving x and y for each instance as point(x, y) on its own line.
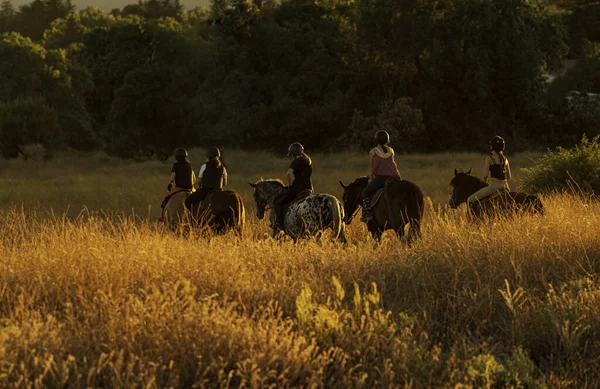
point(305, 216)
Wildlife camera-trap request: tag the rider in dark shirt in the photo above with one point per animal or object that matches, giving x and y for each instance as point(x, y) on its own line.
point(182, 175)
point(301, 170)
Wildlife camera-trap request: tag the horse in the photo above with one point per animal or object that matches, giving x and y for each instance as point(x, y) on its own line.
point(221, 210)
point(464, 185)
point(401, 203)
point(175, 211)
point(304, 216)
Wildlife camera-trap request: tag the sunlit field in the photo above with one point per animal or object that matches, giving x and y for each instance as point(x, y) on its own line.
point(95, 293)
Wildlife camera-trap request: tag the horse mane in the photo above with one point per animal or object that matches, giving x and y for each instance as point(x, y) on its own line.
point(361, 180)
point(462, 175)
point(275, 181)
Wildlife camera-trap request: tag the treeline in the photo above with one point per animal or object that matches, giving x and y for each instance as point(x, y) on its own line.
point(437, 74)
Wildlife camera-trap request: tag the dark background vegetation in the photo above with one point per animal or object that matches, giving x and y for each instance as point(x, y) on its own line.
point(438, 75)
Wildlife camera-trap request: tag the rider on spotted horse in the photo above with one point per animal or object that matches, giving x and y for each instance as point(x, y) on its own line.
point(211, 177)
point(383, 168)
point(299, 179)
point(182, 176)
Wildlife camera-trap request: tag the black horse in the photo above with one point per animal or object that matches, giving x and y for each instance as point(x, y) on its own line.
point(464, 185)
point(402, 203)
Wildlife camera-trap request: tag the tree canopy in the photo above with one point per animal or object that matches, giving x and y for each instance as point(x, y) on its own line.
point(438, 75)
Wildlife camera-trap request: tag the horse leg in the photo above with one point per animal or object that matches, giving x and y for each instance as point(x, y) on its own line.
point(375, 231)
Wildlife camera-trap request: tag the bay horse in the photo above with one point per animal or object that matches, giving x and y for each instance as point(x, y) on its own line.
point(221, 211)
point(464, 185)
point(401, 203)
point(304, 216)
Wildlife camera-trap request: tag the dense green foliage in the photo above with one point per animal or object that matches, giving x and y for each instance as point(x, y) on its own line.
point(439, 75)
point(576, 169)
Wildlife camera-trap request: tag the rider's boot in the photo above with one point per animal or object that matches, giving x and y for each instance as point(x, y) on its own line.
point(367, 212)
point(278, 224)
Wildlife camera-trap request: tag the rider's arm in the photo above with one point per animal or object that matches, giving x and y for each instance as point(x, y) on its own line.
point(508, 173)
point(486, 169)
point(372, 162)
point(172, 178)
point(290, 176)
point(200, 174)
point(224, 176)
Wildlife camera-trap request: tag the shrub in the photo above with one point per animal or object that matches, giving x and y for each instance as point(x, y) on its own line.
point(577, 168)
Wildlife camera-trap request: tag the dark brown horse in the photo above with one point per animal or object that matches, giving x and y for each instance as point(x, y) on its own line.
point(221, 210)
point(402, 203)
point(464, 185)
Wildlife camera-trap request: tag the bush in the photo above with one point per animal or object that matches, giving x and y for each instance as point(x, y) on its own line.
point(26, 121)
point(577, 168)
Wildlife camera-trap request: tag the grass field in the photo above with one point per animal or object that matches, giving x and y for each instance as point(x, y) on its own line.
point(107, 298)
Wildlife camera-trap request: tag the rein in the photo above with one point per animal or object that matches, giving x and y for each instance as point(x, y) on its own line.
point(356, 205)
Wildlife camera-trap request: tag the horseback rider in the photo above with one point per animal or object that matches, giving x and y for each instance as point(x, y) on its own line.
point(211, 177)
point(496, 165)
point(182, 176)
point(299, 179)
point(383, 167)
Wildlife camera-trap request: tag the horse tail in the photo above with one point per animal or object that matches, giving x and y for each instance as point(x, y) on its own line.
point(414, 211)
point(538, 207)
point(337, 219)
point(239, 214)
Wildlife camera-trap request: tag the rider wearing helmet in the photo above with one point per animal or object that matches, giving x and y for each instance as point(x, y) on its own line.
point(298, 177)
point(383, 167)
point(182, 175)
point(496, 165)
point(211, 177)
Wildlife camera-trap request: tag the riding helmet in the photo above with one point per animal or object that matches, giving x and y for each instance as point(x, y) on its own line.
point(295, 149)
point(382, 137)
point(181, 154)
point(497, 143)
point(213, 152)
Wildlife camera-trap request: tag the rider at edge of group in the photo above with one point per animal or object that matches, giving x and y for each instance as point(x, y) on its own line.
point(496, 165)
point(211, 177)
point(383, 166)
point(182, 176)
point(298, 178)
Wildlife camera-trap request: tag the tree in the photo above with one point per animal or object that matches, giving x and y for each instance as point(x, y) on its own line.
point(583, 19)
point(7, 16)
point(28, 71)
point(70, 30)
point(34, 18)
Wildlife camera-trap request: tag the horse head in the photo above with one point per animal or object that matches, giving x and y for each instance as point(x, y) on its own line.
point(352, 196)
point(463, 185)
point(265, 193)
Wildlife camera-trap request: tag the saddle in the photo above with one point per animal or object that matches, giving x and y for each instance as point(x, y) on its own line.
point(494, 195)
point(376, 197)
point(303, 194)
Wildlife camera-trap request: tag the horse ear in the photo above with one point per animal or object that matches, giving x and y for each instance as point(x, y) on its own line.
point(469, 172)
point(343, 185)
point(455, 172)
point(252, 185)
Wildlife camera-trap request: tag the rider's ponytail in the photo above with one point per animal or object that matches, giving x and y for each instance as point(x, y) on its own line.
point(305, 156)
point(215, 162)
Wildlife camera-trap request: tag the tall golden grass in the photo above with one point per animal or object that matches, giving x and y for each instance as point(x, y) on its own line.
point(109, 299)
